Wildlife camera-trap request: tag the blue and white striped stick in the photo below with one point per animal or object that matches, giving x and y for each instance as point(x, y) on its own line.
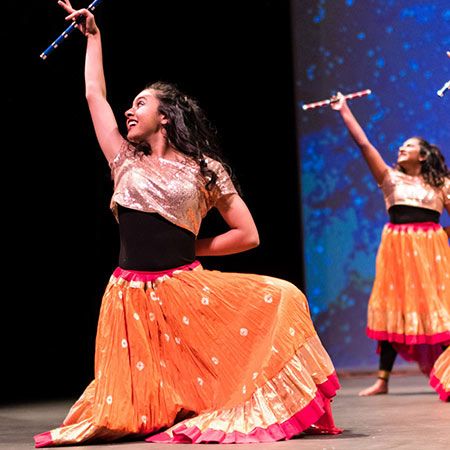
point(65, 34)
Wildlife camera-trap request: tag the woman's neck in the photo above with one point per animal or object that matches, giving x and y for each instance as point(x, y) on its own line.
point(413, 170)
point(161, 148)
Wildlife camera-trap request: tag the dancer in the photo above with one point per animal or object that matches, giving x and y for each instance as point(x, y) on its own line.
point(409, 306)
point(185, 354)
point(440, 376)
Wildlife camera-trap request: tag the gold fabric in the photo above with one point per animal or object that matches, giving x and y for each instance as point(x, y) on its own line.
point(176, 190)
point(441, 370)
point(402, 189)
point(278, 400)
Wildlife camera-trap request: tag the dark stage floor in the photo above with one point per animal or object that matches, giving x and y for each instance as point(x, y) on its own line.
point(410, 417)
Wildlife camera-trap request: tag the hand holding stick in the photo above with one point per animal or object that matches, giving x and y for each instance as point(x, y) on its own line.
point(65, 34)
point(334, 98)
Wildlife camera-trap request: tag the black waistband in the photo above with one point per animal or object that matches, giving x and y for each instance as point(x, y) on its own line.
point(412, 214)
point(148, 242)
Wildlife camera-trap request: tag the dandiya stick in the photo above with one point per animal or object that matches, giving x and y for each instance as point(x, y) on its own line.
point(444, 88)
point(329, 100)
point(65, 34)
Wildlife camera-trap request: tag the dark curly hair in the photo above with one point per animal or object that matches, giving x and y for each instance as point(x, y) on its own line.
point(433, 170)
point(188, 130)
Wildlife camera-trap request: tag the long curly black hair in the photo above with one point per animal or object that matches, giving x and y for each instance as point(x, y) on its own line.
point(188, 130)
point(434, 170)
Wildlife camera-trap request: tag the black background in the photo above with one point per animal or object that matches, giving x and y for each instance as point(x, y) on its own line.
point(60, 239)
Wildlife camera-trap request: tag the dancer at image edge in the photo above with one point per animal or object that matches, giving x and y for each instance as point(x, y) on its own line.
point(184, 354)
point(440, 376)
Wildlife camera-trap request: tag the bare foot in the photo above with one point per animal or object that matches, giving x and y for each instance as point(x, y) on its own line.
point(377, 388)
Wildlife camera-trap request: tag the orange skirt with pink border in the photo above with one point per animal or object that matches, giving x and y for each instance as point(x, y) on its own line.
point(410, 300)
point(195, 356)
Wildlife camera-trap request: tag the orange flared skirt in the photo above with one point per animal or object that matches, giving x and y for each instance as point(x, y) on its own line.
point(194, 356)
point(410, 300)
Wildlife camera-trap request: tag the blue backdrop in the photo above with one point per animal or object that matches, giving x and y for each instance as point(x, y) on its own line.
point(396, 48)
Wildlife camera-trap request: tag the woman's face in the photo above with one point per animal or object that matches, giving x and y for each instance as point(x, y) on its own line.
point(143, 118)
point(409, 153)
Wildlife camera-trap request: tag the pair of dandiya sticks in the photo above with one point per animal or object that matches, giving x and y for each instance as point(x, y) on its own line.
point(65, 34)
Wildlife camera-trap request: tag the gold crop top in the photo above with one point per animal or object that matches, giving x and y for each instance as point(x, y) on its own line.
point(402, 189)
point(173, 189)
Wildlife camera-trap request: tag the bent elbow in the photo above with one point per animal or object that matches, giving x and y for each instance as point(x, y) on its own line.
point(254, 241)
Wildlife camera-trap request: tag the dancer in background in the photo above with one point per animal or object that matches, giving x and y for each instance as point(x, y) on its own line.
point(440, 375)
point(409, 306)
point(185, 354)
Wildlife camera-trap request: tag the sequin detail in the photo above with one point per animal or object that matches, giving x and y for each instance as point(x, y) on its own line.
point(402, 189)
point(174, 189)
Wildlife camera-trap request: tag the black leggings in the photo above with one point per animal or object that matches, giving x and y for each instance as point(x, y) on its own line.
point(388, 355)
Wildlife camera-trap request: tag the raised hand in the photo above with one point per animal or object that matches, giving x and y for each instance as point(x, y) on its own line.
point(337, 101)
point(86, 26)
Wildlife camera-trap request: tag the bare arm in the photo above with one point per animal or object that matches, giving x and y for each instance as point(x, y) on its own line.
point(447, 207)
point(447, 230)
point(242, 235)
point(105, 124)
point(372, 156)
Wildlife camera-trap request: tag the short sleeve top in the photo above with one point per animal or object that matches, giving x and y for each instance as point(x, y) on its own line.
point(402, 189)
point(174, 189)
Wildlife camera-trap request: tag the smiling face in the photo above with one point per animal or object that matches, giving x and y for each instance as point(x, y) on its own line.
point(410, 154)
point(143, 118)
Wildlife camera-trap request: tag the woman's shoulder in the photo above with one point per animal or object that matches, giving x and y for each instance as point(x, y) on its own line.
point(213, 163)
point(388, 176)
point(446, 186)
point(125, 152)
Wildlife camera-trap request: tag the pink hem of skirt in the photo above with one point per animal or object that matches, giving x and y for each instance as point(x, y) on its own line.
point(298, 423)
point(409, 339)
point(436, 384)
point(43, 440)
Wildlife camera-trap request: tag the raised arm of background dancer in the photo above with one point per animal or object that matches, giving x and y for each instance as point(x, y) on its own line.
point(242, 235)
point(105, 124)
point(372, 156)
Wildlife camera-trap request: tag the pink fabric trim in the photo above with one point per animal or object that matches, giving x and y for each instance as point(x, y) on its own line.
point(436, 384)
point(299, 422)
point(409, 339)
point(329, 387)
point(136, 275)
point(43, 440)
point(419, 226)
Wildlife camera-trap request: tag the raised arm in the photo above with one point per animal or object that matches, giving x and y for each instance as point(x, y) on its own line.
point(105, 124)
point(242, 236)
point(373, 158)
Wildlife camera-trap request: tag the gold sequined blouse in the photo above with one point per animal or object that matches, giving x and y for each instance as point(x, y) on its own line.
point(176, 190)
point(402, 189)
